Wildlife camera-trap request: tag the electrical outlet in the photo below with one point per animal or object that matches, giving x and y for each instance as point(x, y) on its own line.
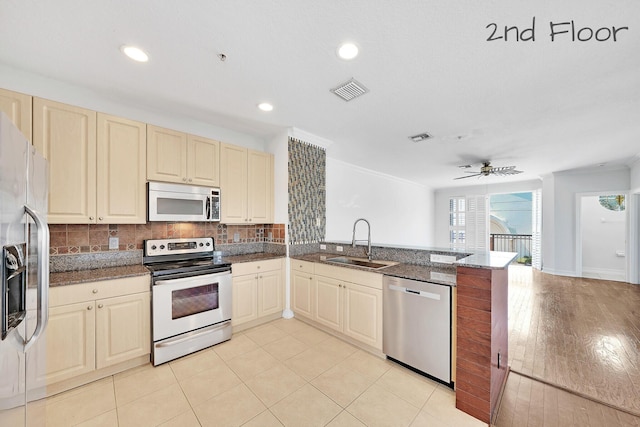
point(339, 248)
point(270, 235)
point(323, 247)
point(318, 222)
point(236, 237)
point(114, 242)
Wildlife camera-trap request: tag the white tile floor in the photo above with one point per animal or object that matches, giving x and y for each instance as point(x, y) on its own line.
point(282, 373)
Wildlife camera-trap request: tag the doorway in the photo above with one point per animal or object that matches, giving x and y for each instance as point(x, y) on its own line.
point(601, 247)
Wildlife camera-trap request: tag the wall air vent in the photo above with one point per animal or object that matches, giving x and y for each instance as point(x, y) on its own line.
point(350, 90)
point(420, 137)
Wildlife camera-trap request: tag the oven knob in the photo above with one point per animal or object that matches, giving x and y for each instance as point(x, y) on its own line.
point(153, 247)
point(201, 245)
point(161, 247)
point(208, 244)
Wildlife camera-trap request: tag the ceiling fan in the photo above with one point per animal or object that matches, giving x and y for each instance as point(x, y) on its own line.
point(487, 170)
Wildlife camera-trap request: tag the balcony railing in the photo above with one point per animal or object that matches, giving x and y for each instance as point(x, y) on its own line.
point(520, 243)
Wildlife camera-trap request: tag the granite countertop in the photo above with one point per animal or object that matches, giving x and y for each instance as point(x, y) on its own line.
point(110, 273)
point(443, 275)
point(491, 260)
point(97, 274)
point(258, 256)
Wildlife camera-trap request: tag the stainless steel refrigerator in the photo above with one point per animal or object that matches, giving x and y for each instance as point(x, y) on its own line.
point(24, 240)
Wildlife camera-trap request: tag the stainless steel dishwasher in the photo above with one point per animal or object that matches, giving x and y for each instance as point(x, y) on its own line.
point(417, 326)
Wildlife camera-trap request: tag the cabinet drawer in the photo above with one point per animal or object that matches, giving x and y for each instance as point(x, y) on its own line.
point(364, 278)
point(256, 266)
point(61, 295)
point(303, 266)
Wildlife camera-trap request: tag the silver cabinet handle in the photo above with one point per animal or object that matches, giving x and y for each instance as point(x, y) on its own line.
point(100, 218)
point(190, 180)
point(43, 276)
point(100, 305)
point(184, 179)
point(90, 307)
point(95, 291)
point(91, 218)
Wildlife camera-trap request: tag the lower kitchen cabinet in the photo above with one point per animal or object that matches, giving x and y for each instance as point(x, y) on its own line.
point(258, 292)
point(302, 288)
point(93, 326)
point(345, 300)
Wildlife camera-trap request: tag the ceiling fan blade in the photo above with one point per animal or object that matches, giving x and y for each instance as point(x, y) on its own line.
point(505, 170)
point(468, 176)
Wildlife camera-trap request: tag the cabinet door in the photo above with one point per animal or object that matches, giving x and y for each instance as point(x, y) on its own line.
point(122, 171)
point(363, 314)
point(18, 107)
point(66, 137)
point(260, 187)
point(328, 307)
point(245, 304)
point(123, 328)
point(302, 293)
point(70, 342)
point(270, 293)
point(203, 161)
point(233, 184)
point(166, 155)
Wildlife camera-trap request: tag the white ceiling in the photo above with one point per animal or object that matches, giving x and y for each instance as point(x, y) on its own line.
point(540, 105)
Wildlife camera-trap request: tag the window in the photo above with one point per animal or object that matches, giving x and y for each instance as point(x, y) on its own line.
point(457, 221)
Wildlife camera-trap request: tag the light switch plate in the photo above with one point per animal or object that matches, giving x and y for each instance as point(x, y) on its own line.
point(236, 237)
point(323, 247)
point(114, 242)
point(339, 248)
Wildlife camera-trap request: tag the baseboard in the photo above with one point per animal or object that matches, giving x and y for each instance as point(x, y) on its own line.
point(604, 274)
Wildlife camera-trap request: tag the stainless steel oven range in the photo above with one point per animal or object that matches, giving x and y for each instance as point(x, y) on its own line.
point(191, 296)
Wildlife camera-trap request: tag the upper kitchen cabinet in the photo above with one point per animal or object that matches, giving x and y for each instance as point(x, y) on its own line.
point(66, 136)
point(18, 107)
point(246, 182)
point(97, 164)
point(181, 158)
point(121, 171)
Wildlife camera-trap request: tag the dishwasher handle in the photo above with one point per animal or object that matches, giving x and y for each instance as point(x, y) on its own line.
point(423, 294)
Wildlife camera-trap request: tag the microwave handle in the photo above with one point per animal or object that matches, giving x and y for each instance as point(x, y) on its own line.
point(208, 208)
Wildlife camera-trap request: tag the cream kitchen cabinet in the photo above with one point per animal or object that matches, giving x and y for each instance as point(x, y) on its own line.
point(18, 107)
point(258, 292)
point(246, 182)
point(96, 328)
point(181, 158)
point(97, 164)
point(303, 285)
point(346, 300)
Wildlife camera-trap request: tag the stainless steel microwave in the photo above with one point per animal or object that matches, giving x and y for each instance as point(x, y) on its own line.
point(182, 203)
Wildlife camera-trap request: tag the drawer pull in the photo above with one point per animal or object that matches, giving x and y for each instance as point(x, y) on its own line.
point(95, 291)
point(100, 305)
point(90, 307)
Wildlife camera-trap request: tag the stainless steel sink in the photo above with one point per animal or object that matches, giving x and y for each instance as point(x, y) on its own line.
point(361, 262)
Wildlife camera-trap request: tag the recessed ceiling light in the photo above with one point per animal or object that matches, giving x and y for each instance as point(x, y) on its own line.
point(347, 51)
point(265, 106)
point(135, 53)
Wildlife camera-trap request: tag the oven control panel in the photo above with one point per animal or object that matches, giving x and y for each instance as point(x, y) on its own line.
point(158, 247)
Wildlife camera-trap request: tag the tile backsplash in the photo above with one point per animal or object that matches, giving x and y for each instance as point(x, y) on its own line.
point(86, 238)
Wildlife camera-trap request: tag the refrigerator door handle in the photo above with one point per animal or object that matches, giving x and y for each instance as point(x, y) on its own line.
point(43, 276)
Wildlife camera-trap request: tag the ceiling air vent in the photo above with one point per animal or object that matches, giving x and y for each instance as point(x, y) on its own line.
point(420, 137)
point(350, 90)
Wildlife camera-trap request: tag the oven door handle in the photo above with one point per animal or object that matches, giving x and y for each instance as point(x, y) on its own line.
point(192, 280)
point(193, 335)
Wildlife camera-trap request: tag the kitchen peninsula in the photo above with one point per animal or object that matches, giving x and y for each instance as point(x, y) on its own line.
point(479, 310)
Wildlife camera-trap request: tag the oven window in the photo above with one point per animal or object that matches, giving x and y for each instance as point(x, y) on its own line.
point(187, 302)
point(168, 206)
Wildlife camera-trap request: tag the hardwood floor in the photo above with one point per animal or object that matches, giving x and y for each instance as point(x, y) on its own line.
point(579, 334)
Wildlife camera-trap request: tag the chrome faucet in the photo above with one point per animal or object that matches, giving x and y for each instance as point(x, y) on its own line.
point(353, 239)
